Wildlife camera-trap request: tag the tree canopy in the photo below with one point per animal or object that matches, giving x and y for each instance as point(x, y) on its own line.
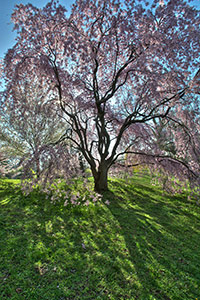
point(116, 69)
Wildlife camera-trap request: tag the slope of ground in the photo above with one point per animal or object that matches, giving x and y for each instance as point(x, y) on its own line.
point(143, 245)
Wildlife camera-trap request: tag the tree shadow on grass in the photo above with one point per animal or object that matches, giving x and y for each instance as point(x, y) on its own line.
point(158, 247)
point(39, 247)
point(52, 252)
point(132, 249)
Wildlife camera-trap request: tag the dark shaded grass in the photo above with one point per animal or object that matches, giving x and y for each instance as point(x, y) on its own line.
point(144, 245)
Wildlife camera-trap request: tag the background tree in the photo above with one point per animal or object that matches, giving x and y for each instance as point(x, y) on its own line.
point(115, 68)
point(3, 164)
point(29, 122)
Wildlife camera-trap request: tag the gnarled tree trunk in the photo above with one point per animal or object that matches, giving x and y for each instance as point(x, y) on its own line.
point(101, 178)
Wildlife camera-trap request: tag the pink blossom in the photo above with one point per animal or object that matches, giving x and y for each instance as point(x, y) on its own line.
point(115, 78)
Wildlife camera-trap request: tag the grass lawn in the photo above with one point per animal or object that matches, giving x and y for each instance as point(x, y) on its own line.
point(144, 245)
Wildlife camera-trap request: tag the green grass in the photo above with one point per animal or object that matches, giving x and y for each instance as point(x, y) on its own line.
point(145, 245)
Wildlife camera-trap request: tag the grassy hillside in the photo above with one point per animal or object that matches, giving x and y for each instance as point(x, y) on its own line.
point(144, 245)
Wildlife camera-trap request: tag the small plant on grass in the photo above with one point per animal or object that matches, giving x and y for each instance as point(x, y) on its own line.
point(76, 192)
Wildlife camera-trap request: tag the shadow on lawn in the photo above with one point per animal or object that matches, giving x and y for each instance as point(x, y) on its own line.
point(156, 242)
point(52, 252)
point(42, 250)
point(127, 250)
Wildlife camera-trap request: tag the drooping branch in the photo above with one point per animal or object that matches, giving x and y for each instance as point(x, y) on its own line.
point(160, 157)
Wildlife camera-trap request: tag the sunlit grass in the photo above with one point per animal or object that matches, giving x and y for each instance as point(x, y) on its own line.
point(144, 245)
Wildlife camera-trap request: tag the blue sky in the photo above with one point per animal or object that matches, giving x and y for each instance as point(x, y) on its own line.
point(7, 37)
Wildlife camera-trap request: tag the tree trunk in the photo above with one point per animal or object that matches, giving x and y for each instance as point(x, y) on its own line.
point(101, 179)
point(37, 168)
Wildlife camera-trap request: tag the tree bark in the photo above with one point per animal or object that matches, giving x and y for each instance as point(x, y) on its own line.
point(37, 168)
point(101, 179)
